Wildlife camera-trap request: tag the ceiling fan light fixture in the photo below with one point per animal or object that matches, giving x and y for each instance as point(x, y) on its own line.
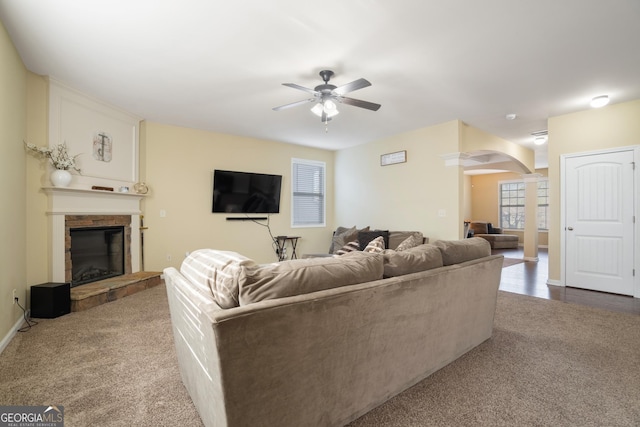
point(332, 113)
point(326, 96)
point(600, 101)
point(329, 106)
point(317, 109)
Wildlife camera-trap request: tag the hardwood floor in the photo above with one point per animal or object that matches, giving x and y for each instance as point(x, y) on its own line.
point(530, 278)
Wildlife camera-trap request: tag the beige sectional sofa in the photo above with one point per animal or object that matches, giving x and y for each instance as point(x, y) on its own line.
point(321, 341)
point(494, 235)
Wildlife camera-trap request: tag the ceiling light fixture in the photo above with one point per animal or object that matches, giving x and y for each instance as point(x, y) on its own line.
point(600, 101)
point(539, 140)
point(540, 137)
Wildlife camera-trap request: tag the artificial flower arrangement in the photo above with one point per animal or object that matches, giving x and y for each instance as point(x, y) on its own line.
point(57, 155)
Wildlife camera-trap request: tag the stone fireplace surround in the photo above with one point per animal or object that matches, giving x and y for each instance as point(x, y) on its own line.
point(76, 208)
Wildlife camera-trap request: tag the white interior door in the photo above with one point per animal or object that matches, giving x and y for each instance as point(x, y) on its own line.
point(599, 222)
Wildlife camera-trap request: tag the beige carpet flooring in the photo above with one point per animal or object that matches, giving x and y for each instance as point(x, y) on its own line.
point(547, 364)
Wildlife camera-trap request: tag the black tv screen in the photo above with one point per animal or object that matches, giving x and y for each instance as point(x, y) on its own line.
point(245, 192)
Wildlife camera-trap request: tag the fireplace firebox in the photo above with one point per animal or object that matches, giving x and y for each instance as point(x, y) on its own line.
point(97, 253)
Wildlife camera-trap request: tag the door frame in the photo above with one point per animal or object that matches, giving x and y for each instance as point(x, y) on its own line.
point(636, 210)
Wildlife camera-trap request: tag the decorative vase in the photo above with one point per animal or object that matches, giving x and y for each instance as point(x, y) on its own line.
point(141, 188)
point(60, 178)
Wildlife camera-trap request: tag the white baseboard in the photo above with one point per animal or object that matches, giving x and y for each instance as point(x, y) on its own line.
point(12, 333)
point(554, 282)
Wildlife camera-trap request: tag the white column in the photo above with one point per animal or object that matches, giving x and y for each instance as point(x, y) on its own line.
point(531, 217)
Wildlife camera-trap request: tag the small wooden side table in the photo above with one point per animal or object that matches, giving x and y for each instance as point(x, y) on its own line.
point(281, 244)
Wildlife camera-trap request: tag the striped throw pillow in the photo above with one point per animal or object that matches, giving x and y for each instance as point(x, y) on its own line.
point(217, 271)
point(375, 246)
point(349, 247)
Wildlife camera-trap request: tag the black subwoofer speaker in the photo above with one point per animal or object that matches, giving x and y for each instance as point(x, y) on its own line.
point(50, 300)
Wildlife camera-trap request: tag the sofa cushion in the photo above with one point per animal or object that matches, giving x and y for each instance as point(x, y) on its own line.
point(412, 260)
point(397, 237)
point(410, 242)
point(375, 246)
point(349, 247)
point(365, 236)
point(457, 251)
point(218, 272)
point(302, 276)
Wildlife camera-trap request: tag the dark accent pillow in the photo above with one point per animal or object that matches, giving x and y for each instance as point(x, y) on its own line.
point(364, 237)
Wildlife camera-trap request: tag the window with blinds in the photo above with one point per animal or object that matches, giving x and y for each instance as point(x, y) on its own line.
point(307, 193)
point(512, 206)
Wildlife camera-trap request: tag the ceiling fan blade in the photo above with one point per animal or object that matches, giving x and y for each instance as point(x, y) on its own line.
point(350, 87)
point(359, 103)
point(293, 104)
point(295, 86)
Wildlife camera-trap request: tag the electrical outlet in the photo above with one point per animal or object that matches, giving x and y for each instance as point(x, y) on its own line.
point(15, 295)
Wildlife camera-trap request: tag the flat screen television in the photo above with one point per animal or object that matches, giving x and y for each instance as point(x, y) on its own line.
point(246, 192)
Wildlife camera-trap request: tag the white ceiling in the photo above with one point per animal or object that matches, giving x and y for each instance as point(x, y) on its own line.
point(220, 66)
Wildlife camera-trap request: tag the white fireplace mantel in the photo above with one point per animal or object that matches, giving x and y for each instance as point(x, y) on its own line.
point(78, 201)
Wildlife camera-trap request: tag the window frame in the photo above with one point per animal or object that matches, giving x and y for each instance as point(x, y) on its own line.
point(322, 193)
point(538, 206)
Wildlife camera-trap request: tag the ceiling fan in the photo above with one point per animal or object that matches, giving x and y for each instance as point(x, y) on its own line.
point(325, 97)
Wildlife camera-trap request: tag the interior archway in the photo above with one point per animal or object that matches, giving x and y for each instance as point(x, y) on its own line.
point(489, 161)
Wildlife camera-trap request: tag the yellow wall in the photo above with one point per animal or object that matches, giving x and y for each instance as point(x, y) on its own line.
point(484, 200)
point(38, 244)
point(405, 196)
point(13, 251)
point(178, 165)
point(613, 126)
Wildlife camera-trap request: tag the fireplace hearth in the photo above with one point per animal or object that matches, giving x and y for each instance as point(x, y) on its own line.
point(97, 253)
